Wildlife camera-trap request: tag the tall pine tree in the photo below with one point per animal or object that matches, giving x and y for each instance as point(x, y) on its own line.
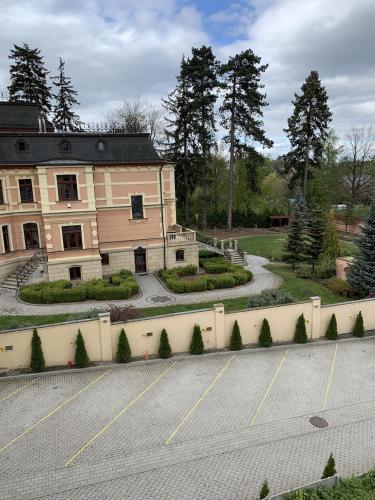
point(307, 129)
point(242, 111)
point(28, 77)
point(315, 235)
point(296, 243)
point(64, 118)
point(361, 273)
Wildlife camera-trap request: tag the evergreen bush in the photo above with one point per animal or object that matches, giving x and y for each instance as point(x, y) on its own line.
point(265, 490)
point(330, 468)
point(165, 350)
point(359, 329)
point(235, 340)
point(123, 354)
point(265, 338)
point(331, 332)
point(37, 363)
point(300, 335)
point(270, 297)
point(196, 346)
point(331, 246)
point(81, 359)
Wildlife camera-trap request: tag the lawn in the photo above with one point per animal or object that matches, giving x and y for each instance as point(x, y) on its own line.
point(9, 322)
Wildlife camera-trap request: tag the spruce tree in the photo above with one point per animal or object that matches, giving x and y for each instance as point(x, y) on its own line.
point(81, 359)
point(314, 235)
point(359, 329)
point(64, 118)
point(123, 354)
point(235, 339)
point(361, 274)
point(28, 77)
point(196, 346)
point(242, 111)
point(330, 468)
point(265, 490)
point(265, 338)
point(37, 363)
point(331, 332)
point(296, 242)
point(165, 350)
point(300, 335)
point(331, 246)
point(307, 129)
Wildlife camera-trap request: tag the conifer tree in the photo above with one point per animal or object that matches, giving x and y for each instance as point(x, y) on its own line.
point(359, 329)
point(165, 350)
point(28, 77)
point(330, 468)
point(123, 354)
point(331, 246)
point(307, 129)
point(265, 338)
point(37, 363)
point(81, 359)
point(196, 346)
point(315, 235)
point(64, 118)
point(242, 111)
point(331, 332)
point(235, 339)
point(265, 490)
point(300, 335)
point(296, 242)
point(361, 274)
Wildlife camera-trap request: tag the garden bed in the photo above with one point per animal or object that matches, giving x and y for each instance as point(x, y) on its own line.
point(117, 287)
point(215, 273)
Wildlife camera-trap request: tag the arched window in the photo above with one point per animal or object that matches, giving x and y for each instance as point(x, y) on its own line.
point(31, 234)
point(75, 273)
point(100, 146)
point(21, 146)
point(64, 145)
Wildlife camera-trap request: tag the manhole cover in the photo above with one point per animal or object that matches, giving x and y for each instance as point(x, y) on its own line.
point(318, 422)
point(160, 299)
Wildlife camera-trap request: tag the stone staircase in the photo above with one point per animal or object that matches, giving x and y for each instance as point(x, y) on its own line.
point(10, 281)
point(236, 257)
point(23, 274)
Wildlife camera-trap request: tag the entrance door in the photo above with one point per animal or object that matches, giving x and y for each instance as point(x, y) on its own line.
point(140, 260)
point(6, 239)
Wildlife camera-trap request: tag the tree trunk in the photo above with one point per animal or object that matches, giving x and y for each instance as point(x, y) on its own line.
point(231, 159)
point(306, 168)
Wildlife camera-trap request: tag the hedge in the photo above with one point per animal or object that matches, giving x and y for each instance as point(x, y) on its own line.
point(119, 286)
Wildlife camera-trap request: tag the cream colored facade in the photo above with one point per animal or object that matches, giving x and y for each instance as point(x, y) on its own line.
point(101, 337)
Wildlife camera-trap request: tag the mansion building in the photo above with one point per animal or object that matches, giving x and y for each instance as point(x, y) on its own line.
point(93, 203)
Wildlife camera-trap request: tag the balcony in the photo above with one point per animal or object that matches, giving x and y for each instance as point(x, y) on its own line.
point(177, 234)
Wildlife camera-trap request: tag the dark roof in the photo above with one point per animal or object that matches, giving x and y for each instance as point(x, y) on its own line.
point(20, 116)
point(118, 148)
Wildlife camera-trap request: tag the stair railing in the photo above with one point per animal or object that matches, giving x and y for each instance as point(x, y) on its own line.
point(25, 271)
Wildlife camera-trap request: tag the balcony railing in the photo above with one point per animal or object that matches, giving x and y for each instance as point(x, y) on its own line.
point(180, 235)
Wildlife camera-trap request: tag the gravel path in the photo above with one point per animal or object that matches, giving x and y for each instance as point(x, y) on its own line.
point(153, 294)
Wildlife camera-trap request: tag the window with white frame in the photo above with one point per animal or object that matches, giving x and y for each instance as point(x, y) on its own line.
point(72, 237)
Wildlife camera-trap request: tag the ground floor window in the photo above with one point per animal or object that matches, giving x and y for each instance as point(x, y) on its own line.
point(31, 234)
point(105, 259)
point(180, 255)
point(75, 273)
point(72, 237)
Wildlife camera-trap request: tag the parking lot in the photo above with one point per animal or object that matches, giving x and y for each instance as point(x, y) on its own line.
point(199, 410)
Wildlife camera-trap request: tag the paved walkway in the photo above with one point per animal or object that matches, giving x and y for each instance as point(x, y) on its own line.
point(153, 294)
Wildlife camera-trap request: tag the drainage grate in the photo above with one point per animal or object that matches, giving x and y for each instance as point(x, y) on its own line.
point(318, 422)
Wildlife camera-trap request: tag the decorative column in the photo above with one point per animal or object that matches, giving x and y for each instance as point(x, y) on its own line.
point(315, 317)
point(105, 336)
point(219, 326)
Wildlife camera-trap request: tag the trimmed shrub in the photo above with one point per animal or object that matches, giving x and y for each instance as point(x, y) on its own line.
point(37, 363)
point(270, 297)
point(206, 254)
point(300, 335)
point(265, 338)
point(81, 359)
point(176, 285)
point(340, 287)
point(122, 313)
point(359, 329)
point(165, 350)
point(123, 354)
point(331, 332)
point(235, 340)
point(29, 295)
point(265, 490)
point(330, 468)
point(189, 270)
point(196, 346)
point(199, 285)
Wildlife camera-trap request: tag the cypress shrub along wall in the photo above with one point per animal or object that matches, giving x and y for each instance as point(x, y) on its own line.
point(265, 490)
point(331, 332)
point(165, 350)
point(300, 335)
point(359, 329)
point(196, 346)
point(81, 359)
point(265, 338)
point(123, 354)
point(330, 468)
point(235, 340)
point(37, 363)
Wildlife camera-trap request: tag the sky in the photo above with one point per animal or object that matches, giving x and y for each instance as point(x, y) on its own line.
point(119, 50)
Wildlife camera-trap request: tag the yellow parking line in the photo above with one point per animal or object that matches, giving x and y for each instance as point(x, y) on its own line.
point(29, 429)
point(198, 402)
point(269, 388)
point(107, 426)
point(330, 376)
point(20, 389)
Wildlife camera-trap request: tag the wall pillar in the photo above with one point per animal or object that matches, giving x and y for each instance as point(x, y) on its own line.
point(315, 317)
point(105, 336)
point(219, 326)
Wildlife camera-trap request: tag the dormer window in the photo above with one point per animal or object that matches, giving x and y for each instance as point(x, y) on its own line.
point(22, 146)
point(100, 146)
point(65, 146)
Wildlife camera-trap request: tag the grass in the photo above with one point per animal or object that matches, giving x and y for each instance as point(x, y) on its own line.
point(8, 322)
